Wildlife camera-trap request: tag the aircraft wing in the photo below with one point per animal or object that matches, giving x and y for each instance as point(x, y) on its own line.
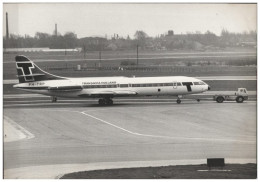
point(108, 93)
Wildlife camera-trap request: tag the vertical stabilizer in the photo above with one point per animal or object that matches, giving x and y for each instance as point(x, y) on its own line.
point(28, 71)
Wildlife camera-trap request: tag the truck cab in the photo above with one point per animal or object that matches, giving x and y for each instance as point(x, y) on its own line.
point(241, 91)
point(240, 95)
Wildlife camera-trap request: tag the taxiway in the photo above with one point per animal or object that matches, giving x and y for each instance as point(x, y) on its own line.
point(71, 133)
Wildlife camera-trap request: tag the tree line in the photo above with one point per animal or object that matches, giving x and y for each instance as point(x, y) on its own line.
point(190, 40)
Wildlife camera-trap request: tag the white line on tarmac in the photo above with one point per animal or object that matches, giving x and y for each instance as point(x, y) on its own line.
point(14, 132)
point(167, 137)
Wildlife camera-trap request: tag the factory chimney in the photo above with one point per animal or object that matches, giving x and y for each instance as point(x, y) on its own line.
point(7, 30)
point(56, 32)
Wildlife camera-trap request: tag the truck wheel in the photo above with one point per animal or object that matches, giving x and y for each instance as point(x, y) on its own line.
point(240, 99)
point(220, 99)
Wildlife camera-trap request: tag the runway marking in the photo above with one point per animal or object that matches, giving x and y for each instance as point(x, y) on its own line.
point(13, 131)
point(61, 110)
point(109, 123)
point(161, 136)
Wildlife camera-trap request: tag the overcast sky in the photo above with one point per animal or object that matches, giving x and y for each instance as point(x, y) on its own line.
point(87, 19)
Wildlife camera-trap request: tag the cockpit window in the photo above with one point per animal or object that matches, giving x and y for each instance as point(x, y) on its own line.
point(199, 83)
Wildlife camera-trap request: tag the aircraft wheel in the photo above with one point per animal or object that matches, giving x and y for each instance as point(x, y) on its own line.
point(178, 101)
point(239, 99)
point(198, 100)
point(101, 102)
point(109, 102)
point(53, 99)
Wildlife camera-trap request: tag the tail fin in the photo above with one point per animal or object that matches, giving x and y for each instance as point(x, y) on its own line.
point(28, 71)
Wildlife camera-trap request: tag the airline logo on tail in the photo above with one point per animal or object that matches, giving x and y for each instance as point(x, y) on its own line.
point(27, 71)
point(26, 68)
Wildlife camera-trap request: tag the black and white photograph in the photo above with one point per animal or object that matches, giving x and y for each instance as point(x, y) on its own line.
point(129, 90)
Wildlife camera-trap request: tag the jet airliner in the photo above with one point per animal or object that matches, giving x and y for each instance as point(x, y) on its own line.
point(34, 79)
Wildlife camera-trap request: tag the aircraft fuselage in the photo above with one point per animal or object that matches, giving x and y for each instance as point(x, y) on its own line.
point(98, 86)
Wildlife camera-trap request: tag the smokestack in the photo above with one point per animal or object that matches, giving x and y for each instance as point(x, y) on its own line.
point(7, 31)
point(56, 32)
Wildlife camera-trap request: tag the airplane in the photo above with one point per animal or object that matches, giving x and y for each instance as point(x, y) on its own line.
point(34, 79)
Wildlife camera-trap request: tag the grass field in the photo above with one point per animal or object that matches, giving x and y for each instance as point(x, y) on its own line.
point(233, 171)
point(124, 53)
point(151, 63)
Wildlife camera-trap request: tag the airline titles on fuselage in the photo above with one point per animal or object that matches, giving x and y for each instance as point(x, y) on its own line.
point(98, 83)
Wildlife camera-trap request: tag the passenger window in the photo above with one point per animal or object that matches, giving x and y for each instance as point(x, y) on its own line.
point(123, 85)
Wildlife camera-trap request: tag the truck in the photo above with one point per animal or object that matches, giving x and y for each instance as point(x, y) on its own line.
point(239, 96)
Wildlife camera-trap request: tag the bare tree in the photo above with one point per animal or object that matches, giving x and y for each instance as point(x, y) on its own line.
point(140, 37)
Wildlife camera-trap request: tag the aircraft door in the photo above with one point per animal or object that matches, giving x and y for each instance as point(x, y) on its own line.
point(174, 85)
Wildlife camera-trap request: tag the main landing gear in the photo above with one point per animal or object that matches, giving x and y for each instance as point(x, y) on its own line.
point(179, 99)
point(105, 101)
point(53, 99)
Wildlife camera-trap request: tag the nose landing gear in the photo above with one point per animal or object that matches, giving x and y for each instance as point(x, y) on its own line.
point(179, 99)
